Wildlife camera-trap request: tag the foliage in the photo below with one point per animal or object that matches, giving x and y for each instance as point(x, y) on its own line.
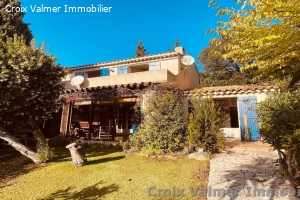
point(140, 50)
point(11, 23)
point(126, 146)
point(279, 120)
point(211, 58)
point(205, 123)
point(57, 141)
point(163, 128)
point(44, 152)
point(221, 71)
point(30, 85)
point(263, 35)
point(224, 77)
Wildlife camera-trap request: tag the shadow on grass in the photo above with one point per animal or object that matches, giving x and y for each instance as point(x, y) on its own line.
point(91, 192)
point(62, 154)
point(103, 160)
point(13, 164)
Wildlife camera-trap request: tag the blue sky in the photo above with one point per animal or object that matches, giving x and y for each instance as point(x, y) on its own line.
point(87, 38)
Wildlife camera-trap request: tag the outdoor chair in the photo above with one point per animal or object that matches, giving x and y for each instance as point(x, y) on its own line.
point(84, 127)
point(95, 129)
point(106, 132)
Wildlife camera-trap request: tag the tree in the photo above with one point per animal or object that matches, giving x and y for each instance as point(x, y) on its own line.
point(221, 71)
point(163, 127)
point(205, 123)
point(211, 58)
point(11, 22)
point(263, 35)
point(279, 125)
point(30, 84)
point(224, 77)
point(140, 50)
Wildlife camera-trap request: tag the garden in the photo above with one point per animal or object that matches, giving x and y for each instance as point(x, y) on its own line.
point(109, 174)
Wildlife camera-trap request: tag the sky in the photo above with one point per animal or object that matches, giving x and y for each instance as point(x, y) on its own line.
point(86, 38)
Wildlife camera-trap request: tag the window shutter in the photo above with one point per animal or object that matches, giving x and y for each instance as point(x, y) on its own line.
point(122, 70)
point(104, 72)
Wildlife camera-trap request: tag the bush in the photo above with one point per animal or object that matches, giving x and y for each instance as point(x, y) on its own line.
point(205, 123)
point(57, 141)
point(163, 128)
point(279, 124)
point(44, 152)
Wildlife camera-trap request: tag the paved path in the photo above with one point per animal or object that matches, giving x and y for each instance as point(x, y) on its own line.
point(246, 171)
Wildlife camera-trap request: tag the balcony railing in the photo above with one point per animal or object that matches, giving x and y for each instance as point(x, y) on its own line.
point(156, 76)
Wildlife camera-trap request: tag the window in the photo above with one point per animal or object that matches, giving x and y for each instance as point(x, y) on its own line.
point(79, 73)
point(154, 66)
point(123, 70)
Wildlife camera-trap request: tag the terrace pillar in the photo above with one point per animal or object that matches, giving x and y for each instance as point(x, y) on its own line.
point(64, 120)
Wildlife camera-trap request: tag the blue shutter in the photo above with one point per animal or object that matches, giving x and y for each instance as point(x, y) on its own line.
point(247, 106)
point(122, 70)
point(79, 73)
point(104, 72)
point(134, 128)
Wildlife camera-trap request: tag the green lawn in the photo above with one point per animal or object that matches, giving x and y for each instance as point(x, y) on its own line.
point(109, 175)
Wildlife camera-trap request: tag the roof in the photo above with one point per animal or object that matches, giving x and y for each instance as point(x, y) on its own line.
point(233, 90)
point(127, 61)
point(133, 86)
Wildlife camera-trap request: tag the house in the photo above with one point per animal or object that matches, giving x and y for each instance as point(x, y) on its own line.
point(101, 97)
point(239, 103)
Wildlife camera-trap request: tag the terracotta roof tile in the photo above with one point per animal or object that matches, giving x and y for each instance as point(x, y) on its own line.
point(126, 61)
point(234, 89)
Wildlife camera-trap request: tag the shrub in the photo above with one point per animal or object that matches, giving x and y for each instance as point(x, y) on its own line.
point(163, 126)
point(279, 124)
point(44, 152)
point(57, 141)
point(205, 123)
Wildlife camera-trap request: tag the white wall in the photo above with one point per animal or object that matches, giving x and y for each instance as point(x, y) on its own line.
point(232, 133)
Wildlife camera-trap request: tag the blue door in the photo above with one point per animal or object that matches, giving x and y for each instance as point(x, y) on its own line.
point(247, 106)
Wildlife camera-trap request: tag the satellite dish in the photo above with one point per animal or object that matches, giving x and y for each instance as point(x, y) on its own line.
point(77, 80)
point(187, 60)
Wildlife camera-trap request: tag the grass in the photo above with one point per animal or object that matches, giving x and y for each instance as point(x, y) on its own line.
point(108, 175)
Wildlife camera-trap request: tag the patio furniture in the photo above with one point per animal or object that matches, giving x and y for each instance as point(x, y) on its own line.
point(84, 127)
point(106, 132)
point(74, 131)
point(95, 129)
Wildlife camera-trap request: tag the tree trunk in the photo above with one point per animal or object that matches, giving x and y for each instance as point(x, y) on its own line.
point(77, 154)
point(15, 143)
point(289, 162)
